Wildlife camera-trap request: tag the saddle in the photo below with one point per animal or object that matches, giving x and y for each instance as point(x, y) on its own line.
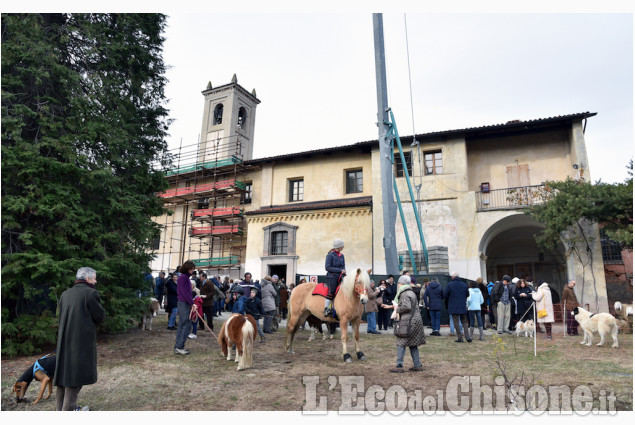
point(322, 290)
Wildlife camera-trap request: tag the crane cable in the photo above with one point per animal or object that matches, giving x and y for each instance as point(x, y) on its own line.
point(414, 140)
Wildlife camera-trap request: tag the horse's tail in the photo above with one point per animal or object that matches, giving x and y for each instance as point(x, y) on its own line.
point(248, 343)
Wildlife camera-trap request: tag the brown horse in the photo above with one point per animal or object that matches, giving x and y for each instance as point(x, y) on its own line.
point(239, 331)
point(348, 305)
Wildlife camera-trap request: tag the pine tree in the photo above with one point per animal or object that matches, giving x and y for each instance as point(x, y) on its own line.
point(83, 143)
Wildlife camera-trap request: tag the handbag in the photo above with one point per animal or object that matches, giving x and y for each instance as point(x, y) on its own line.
point(542, 313)
point(402, 328)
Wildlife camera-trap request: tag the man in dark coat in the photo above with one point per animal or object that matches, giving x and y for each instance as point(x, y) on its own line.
point(389, 294)
point(455, 296)
point(80, 312)
point(433, 298)
point(159, 287)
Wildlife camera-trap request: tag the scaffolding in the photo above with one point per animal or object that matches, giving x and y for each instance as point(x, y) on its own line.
point(205, 200)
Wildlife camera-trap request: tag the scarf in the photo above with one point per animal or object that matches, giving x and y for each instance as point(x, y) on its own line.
point(84, 281)
point(400, 290)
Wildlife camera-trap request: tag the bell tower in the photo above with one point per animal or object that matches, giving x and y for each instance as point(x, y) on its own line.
point(229, 118)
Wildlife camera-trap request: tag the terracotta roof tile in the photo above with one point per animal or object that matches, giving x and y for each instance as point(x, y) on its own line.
point(472, 130)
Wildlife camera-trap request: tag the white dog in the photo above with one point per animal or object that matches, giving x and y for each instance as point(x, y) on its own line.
point(623, 310)
point(602, 323)
point(527, 327)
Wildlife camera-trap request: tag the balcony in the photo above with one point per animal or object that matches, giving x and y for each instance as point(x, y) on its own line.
point(511, 198)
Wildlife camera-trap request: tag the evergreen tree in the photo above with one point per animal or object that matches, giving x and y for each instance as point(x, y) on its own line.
point(83, 142)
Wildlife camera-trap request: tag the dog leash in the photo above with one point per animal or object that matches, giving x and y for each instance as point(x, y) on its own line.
point(208, 328)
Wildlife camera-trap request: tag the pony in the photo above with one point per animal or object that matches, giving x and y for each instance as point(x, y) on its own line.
point(349, 306)
point(238, 331)
point(149, 313)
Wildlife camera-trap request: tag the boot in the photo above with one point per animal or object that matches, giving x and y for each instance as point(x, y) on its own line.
point(262, 339)
point(480, 333)
point(472, 332)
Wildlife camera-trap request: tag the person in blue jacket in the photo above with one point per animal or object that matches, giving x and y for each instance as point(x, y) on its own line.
point(239, 303)
point(433, 298)
point(335, 266)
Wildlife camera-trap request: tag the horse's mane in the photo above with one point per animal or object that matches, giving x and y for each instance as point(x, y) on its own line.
point(348, 283)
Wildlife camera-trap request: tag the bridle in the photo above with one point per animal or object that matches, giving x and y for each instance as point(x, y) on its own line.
point(359, 292)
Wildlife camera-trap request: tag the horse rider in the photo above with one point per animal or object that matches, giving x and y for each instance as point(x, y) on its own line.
point(335, 270)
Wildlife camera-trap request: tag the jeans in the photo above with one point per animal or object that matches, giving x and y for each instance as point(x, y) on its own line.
point(194, 326)
point(185, 324)
point(435, 317)
point(471, 314)
point(172, 319)
point(266, 323)
point(371, 322)
point(414, 353)
point(452, 326)
point(262, 335)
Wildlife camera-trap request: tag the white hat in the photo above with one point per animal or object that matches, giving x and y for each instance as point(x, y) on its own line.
point(515, 280)
point(338, 243)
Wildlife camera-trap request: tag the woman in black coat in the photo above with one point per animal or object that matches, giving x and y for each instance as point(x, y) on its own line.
point(523, 300)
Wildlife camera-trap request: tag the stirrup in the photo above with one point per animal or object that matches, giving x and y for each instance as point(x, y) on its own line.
point(328, 311)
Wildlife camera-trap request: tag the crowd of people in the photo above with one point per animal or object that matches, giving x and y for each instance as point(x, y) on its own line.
point(195, 299)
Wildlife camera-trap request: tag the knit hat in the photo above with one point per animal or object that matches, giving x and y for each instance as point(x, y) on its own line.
point(338, 243)
point(515, 280)
point(404, 280)
point(507, 278)
point(274, 277)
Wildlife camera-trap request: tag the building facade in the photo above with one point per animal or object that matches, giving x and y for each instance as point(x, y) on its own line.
point(279, 215)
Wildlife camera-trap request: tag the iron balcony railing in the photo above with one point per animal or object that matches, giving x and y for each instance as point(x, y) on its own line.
point(511, 198)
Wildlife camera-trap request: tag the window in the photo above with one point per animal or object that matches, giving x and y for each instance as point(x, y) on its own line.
point(203, 203)
point(247, 194)
point(354, 181)
point(242, 118)
point(434, 162)
point(296, 190)
point(517, 175)
point(399, 169)
point(156, 243)
point(611, 251)
point(218, 114)
point(279, 243)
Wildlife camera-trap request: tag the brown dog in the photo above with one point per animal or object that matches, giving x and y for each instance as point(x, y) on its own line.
point(42, 370)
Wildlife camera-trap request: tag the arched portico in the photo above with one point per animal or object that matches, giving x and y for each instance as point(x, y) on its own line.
point(508, 247)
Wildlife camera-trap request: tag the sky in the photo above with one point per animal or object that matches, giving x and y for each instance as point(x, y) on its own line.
point(314, 73)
